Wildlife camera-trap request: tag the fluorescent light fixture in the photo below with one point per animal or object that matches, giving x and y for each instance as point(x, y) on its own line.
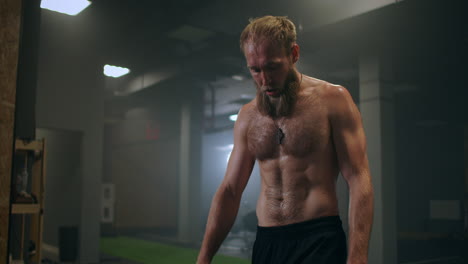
point(69, 7)
point(233, 118)
point(115, 71)
point(238, 77)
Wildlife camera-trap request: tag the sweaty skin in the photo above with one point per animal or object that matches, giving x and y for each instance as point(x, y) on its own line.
point(299, 175)
point(323, 135)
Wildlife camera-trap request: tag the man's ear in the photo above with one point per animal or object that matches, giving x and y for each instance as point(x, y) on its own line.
point(295, 52)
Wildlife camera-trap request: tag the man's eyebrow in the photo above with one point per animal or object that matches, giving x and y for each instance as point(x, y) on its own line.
point(270, 63)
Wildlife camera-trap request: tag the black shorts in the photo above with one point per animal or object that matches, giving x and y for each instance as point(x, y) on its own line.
point(316, 241)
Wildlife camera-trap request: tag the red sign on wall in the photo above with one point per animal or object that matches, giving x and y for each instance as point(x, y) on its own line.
point(152, 131)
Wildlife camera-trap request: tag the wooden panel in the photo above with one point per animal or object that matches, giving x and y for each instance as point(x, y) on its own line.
point(33, 145)
point(25, 208)
point(10, 17)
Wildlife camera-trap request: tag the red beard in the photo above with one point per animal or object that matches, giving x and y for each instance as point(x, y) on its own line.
point(284, 103)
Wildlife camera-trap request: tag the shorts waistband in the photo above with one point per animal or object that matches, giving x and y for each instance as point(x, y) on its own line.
point(301, 229)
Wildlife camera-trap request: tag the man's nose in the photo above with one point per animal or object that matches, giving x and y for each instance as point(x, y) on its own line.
point(265, 78)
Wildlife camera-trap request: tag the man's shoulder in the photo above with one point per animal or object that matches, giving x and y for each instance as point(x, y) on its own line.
point(324, 87)
point(326, 91)
point(334, 98)
point(337, 99)
point(246, 113)
point(249, 110)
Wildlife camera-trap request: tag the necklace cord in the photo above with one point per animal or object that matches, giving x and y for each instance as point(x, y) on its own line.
point(280, 134)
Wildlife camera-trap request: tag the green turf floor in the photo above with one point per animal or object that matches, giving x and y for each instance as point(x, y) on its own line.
point(156, 253)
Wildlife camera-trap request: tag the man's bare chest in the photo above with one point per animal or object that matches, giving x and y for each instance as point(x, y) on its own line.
point(298, 136)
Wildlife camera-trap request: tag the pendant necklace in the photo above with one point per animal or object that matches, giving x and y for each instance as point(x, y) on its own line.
point(279, 133)
point(280, 136)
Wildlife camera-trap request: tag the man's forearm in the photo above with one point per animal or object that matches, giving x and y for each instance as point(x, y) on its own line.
point(222, 214)
point(361, 212)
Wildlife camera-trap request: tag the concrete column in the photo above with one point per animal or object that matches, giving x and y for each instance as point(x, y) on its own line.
point(189, 184)
point(377, 110)
point(184, 175)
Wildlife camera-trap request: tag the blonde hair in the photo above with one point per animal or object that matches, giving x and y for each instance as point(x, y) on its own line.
point(278, 29)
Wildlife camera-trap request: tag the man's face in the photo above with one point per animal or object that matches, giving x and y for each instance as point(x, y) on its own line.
point(269, 65)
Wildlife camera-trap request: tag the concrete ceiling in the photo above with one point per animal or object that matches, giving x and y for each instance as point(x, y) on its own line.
point(157, 34)
point(169, 39)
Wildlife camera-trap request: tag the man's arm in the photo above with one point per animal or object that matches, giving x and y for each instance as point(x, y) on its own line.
point(350, 144)
point(225, 204)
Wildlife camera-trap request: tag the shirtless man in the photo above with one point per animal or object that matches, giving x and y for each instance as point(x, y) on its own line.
point(303, 132)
